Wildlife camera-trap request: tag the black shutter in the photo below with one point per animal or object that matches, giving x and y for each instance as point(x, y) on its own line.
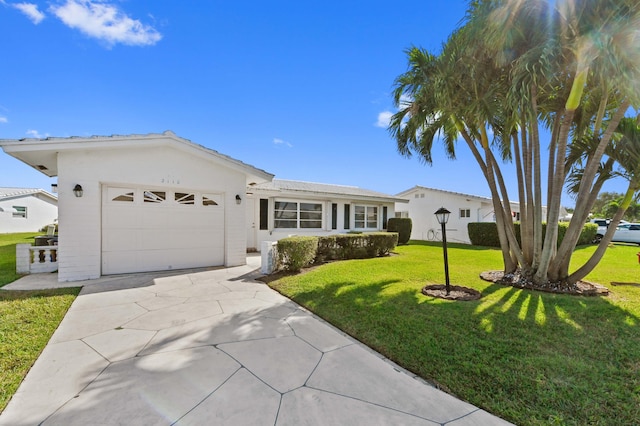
point(347, 207)
point(384, 217)
point(264, 213)
point(334, 216)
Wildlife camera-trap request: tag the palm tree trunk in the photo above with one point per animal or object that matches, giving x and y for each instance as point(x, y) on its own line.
point(584, 201)
point(537, 206)
point(553, 207)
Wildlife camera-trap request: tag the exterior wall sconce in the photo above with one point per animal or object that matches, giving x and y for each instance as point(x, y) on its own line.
point(238, 199)
point(443, 217)
point(54, 188)
point(77, 190)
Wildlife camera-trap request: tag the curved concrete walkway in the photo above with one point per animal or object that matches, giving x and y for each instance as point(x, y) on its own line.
point(214, 347)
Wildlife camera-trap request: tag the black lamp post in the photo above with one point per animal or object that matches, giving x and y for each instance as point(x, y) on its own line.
point(443, 217)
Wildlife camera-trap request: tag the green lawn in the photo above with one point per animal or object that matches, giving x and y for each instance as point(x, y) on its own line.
point(8, 254)
point(27, 319)
point(529, 357)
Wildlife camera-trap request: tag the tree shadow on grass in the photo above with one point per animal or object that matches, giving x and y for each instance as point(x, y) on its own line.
point(523, 355)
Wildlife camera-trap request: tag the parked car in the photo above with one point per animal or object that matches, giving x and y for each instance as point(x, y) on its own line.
point(602, 228)
point(627, 233)
point(603, 224)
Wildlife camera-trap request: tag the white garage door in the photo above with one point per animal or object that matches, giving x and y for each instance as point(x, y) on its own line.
point(160, 229)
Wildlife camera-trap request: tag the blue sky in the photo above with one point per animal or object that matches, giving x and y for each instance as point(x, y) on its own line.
point(299, 89)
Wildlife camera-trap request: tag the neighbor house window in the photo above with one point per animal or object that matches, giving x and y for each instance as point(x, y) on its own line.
point(292, 215)
point(465, 212)
point(366, 217)
point(20, 212)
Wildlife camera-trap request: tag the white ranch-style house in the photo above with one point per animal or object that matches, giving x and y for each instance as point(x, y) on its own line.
point(157, 202)
point(281, 208)
point(464, 208)
point(26, 209)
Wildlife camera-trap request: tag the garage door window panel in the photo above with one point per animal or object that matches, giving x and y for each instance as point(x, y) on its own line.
point(155, 197)
point(211, 200)
point(185, 198)
point(125, 195)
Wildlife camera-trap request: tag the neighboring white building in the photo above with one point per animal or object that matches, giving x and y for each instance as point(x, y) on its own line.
point(464, 208)
point(26, 209)
point(149, 202)
point(281, 208)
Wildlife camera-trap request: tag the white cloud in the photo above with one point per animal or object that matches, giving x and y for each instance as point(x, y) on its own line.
point(384, 118)
point(277, 141)
point(35, 134)
point(31, 11)
point(3, 119)
point(105, 22)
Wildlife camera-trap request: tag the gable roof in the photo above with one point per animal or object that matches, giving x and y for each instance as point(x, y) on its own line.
point(299, 188)
point(41, 154)
point(10, 193)
point(460, 194)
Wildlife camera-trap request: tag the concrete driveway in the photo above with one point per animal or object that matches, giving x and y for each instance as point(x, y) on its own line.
point(215, 347)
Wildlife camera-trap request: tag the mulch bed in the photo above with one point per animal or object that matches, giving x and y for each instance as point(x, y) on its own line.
point(581, 288)
point(456, 292)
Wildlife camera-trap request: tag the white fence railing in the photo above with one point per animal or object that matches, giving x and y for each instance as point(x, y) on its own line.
point(36, 259)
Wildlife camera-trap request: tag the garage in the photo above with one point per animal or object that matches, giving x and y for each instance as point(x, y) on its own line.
point(155, 229)
point(141, 203)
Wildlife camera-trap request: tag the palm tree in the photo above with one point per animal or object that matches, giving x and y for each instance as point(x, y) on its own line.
point(515, 65)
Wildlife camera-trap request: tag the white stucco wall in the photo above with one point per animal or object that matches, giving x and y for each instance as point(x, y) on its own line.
point(154, 168)
point(274, 234)
point(421, 210)
point(41, 211)
point(424, 202)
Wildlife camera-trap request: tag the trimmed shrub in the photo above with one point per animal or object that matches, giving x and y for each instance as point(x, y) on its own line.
point(486, 233)
point(381, 243)
point(295, 253)
point(483, 234)
point(588, 234)
point(401, 225)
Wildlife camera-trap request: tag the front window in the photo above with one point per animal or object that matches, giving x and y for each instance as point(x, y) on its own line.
point(465, 213)
point(366, 217)
point(20, 212)
point(292, 215)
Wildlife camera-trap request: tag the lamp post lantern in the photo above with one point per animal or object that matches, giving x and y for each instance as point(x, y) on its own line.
point(443, 217)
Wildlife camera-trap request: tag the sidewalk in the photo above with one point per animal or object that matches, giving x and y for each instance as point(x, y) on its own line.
point(214, 347)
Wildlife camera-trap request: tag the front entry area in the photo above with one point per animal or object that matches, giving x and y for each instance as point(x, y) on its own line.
point(156, 229)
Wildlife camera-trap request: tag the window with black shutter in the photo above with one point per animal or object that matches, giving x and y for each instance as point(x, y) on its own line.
point(384, 217)
point(347, 207)
point(264, 213)
point(334, 216)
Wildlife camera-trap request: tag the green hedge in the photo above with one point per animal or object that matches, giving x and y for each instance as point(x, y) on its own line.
point(486, 233)
point(401, 225)
point(295, 253)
